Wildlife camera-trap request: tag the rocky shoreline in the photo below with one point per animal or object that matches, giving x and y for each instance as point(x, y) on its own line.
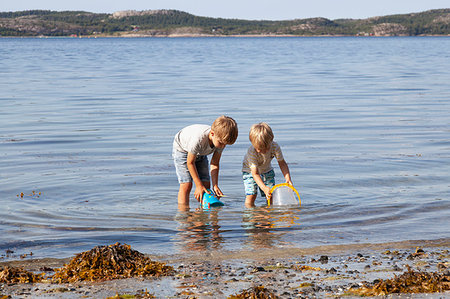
point(191, 35)
point(319, 272)
point(173, 22)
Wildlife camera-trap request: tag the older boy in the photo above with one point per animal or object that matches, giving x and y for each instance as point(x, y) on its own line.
point(257, 170)
point(191, 146)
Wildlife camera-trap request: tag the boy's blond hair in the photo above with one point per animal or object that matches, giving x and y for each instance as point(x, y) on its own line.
point(225, 129)
point(261, 136)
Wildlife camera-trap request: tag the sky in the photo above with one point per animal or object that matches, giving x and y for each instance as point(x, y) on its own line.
point(241, 9)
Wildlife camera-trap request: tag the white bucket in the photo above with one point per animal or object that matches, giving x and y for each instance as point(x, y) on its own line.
point(284, 195)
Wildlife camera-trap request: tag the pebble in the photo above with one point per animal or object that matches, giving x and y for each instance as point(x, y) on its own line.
point(331, 271)
point(396, 268)
point(323, 259)
point(441, 267)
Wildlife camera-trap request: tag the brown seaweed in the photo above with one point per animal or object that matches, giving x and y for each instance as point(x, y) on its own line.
point(18, 275)
point(110, 262)
point(408, 282)
point(305, 268)
point(258, 292)
point(34, 194)
point(139, 295)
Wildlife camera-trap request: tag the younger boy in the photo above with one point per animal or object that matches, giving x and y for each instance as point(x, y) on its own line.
point(191, 146)
point(257, 170)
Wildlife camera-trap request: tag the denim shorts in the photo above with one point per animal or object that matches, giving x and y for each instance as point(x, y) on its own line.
point(180, 161)
point(251, 188)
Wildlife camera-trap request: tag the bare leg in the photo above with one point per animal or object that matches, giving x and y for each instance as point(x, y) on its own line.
point(250, 201)
point(183, 196)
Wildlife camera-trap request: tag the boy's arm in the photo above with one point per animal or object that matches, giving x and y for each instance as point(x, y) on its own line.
point(215, 173)
point(199, 188)
point(259, 182)
point(285, 170)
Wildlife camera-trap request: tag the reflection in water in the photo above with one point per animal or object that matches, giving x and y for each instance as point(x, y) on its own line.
point(264, 226)
point(199, 230)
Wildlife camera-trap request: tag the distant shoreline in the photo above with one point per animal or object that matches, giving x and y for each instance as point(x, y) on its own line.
point(174, 23)
point(218, 36)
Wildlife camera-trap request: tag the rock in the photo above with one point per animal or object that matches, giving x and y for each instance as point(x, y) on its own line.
point(396, 268)
point(258, 269)
point(131, 13)
point(323, 259)
point(441, 267)
point(389, 29)
point(331, 271)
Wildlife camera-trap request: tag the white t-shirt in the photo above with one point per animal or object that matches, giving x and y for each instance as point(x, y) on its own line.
point(261, 161)
point(194, 139)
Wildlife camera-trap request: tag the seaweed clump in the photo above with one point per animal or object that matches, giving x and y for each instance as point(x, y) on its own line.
point(18, 275)
point(258, 292)
point(139, 295)
point(408, 282)
point(305, 268)
point(110, 262)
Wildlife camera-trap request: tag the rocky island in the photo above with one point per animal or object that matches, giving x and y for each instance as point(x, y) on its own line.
point(173, 23)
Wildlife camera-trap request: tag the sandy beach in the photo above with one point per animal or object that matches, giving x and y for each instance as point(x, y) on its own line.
point(325, 271)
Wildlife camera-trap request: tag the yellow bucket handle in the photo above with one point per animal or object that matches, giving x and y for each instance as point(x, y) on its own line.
point(287, 185)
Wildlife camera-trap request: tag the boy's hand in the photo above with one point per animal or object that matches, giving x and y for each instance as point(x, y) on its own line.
point(289, 182)
point(217, 191)
point(269, 197)
point(198, 193)
point(267, 193)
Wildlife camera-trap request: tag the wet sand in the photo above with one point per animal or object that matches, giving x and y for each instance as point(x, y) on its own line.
point(288, 272)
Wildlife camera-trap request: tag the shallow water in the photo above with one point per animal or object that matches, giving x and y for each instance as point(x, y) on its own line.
point(88, 124)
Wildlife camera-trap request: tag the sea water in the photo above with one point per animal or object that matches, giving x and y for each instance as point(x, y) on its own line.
point(86, 131)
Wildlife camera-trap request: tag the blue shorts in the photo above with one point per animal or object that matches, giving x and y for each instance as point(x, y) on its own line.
point(180, 161)
point(251, 188)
